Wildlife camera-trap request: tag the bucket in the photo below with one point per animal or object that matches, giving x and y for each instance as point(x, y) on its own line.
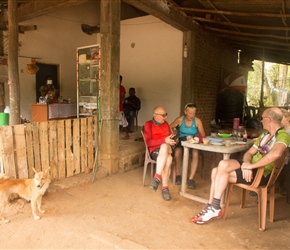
point(4, 119)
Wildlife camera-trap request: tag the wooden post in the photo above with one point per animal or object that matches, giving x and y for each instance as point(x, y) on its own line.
point(187, 72)
point(109, 85)
point(13, 77)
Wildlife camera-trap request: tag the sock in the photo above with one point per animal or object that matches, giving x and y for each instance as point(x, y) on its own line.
point(164, 187)
point(157, 176)
point(216, 203)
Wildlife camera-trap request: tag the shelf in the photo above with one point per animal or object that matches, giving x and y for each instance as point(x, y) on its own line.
point(90, 63)
point(88, 79)
point(86, 115)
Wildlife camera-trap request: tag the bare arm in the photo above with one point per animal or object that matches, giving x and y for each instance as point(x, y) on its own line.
point(200, 127)
point(249, 154)
point(176, 122)
point(268, 158)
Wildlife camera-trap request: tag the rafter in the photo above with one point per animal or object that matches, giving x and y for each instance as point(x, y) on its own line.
point(32, 9)
point(233, 13)
point(256, 27)
point(260, 41)
point(160, 9)
point(246, 33)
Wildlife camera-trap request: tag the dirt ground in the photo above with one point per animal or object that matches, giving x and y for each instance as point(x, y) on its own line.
point(117, 212)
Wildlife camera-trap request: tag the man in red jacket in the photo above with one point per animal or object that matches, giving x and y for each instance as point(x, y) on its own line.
point(159, 139)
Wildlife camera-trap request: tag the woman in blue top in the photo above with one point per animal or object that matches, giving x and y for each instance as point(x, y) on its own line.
point(188, 124)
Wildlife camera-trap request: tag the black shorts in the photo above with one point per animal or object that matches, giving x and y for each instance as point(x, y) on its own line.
point(154, 154)
point(180, 139)
point(240, 178)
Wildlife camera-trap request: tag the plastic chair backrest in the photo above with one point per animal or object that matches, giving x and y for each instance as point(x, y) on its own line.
point(277, 168)
point(147, 159)
point(147, 153)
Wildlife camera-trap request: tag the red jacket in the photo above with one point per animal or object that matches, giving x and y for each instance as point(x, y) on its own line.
point(155, 135)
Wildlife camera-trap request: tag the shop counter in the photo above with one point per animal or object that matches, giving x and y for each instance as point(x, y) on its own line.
point(45, 112)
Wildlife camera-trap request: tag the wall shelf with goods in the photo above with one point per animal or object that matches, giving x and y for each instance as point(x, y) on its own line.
point(88, 80)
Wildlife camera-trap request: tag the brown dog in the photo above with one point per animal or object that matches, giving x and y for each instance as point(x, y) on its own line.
point(28, 189)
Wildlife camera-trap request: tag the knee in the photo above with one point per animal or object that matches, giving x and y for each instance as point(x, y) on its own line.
point(165, 148)
point(223, 166)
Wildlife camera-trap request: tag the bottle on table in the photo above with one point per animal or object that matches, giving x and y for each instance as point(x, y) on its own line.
point(245, 136)
point(240, 133)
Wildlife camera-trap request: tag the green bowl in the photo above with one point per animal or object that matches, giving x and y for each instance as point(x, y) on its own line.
point(224, 135)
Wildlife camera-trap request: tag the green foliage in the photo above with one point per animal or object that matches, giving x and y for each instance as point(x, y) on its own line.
point(276, 81)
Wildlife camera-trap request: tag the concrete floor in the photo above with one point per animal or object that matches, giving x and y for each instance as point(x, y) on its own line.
point(117, 212)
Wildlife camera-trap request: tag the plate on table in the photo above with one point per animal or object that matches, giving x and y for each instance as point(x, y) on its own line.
point(223, 135)
point(240, 142)
point(215, 140)
point(217, 143)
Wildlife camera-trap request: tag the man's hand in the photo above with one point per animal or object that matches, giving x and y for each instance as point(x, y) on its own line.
point(247, 175)
point(247, 171)
point(169, 140)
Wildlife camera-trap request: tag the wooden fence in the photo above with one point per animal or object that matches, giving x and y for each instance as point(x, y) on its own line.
point(66, 146)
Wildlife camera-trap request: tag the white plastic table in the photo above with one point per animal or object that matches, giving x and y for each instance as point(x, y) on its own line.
point(226, 151)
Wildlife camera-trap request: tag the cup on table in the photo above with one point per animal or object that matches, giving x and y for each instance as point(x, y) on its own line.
point(205, 141)
point(228, 143)
point(189, 137)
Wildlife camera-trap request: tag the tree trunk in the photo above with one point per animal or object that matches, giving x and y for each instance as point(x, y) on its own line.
point(13, 77)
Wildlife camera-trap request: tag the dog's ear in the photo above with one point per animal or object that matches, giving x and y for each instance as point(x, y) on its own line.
point(34, 170)
point(46, 171)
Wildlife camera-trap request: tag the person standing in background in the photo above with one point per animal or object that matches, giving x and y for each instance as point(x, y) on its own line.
point(48, 92)
point(132, 105)
point(122, 118)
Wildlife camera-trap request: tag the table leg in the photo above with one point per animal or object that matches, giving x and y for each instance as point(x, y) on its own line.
point(184, 169)
point(227, 156)
point(184, 179)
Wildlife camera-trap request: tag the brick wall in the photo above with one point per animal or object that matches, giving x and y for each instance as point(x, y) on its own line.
point(211, 57)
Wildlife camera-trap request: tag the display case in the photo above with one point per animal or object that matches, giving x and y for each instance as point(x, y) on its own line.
point(88, 78)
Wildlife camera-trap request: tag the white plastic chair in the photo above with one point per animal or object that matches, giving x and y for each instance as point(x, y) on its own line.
point(147, 160)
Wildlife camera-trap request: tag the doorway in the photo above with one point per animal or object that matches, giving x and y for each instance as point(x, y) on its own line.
point(46, 70)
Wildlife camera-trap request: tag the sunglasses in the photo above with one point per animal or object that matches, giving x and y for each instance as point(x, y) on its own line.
point(163, 115)
point(190, 105)
point(264, 117)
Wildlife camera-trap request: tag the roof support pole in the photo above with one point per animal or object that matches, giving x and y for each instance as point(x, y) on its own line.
point(187, 69)
point(109, 85)
point(13, 76)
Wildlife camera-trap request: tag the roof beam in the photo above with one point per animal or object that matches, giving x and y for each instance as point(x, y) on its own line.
point(246, 40)
point(161, 10)
point(261, 47)
point(257, 27)
point(246, 33)
point(233, 13)
point(34, 9)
